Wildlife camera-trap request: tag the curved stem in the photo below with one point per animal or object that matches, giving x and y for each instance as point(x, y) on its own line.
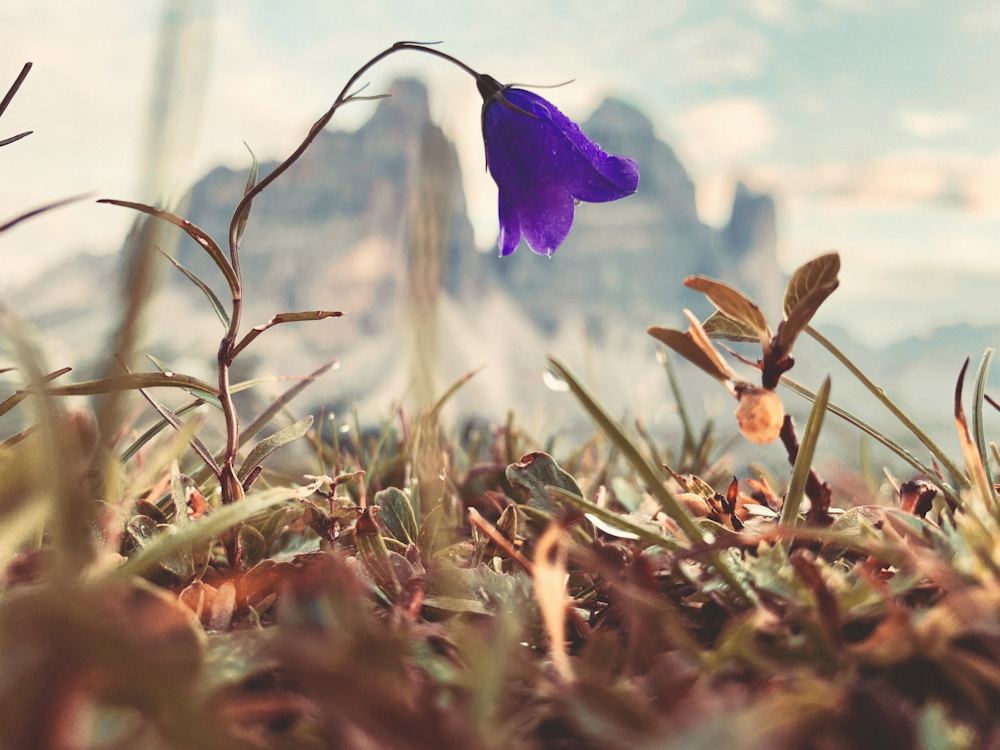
point(949, 466)
point(321, 123)
point(227, 348)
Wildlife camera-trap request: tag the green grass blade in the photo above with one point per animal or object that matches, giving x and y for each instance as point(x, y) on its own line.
point(452, 390)
point(871, 431)
point(948, 464)
point(650, 476)
point(803, 462)
point(269, 445)
point(132, 382)
point(203, 530)
point(20, 395)
point(199, 235)
point(162, 367)
point(383, 438)
point(199, 447)
point(155, 430)
point(613, 519)
point(675, 388)
point(978, 433)
point(205, 288)
point(292, 317)
point(251, 183)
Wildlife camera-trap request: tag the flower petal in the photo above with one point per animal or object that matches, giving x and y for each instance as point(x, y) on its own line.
point(510, 227)
point(592, 174)
point(540, 164)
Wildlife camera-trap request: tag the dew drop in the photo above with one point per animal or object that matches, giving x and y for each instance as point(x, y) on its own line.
point(554, 382)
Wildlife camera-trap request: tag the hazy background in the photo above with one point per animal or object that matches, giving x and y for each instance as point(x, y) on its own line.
point(864, 127)
point(871, 122)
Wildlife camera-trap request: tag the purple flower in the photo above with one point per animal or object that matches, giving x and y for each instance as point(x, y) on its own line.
point(543, 163)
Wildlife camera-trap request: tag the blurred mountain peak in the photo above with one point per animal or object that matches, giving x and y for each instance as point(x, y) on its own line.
point(373, 222)
point(617, 114)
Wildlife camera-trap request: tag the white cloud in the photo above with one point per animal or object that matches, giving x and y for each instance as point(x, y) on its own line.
point(850, 6)
point(791, 12)
point(934, 124)
point(717, 52)
point(780, 12)
point(722, 132)
point(982, 19)
point(713, 196)
point(956, 182)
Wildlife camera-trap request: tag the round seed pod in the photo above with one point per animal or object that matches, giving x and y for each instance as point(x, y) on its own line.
point(759, 415)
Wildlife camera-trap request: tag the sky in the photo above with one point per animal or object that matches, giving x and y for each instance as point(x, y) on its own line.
point(869, 121)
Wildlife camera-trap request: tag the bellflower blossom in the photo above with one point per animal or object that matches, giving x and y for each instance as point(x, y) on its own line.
point(543, 164)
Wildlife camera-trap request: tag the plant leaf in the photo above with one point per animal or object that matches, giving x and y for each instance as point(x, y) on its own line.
point(199, 447)
point(155, 430)
point(9, 96)
point(732, 303)
point(16, 138)
point(615, 520)
point(291, 317)
point(809, 286)
point(197, 234)
point(268, 414)
point(205, 288)
point(721, 326)
point(534, 474)
point(19, 396)
point(683, 344)
point(279, 403)
point(254, 545)
point(214, 401)
point(269, 445)
point(818, 272)
point(204, 529)
point(251, 182)
point(397, 514)
point(131, 382)
point(41, 210)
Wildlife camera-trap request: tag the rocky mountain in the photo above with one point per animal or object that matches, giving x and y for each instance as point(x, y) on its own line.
point(373, 222)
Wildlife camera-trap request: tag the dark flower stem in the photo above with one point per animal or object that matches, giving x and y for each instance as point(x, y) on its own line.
point(9, 96)
point(817, 491)
point(231, 491)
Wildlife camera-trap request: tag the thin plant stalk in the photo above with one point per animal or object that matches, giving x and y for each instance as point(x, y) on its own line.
point(949, 494)
point(888, 403)
point(803, 461)
point(227, 347)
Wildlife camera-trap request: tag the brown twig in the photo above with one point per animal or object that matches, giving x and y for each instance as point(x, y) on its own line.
point(818, 492)
point(500, 541)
